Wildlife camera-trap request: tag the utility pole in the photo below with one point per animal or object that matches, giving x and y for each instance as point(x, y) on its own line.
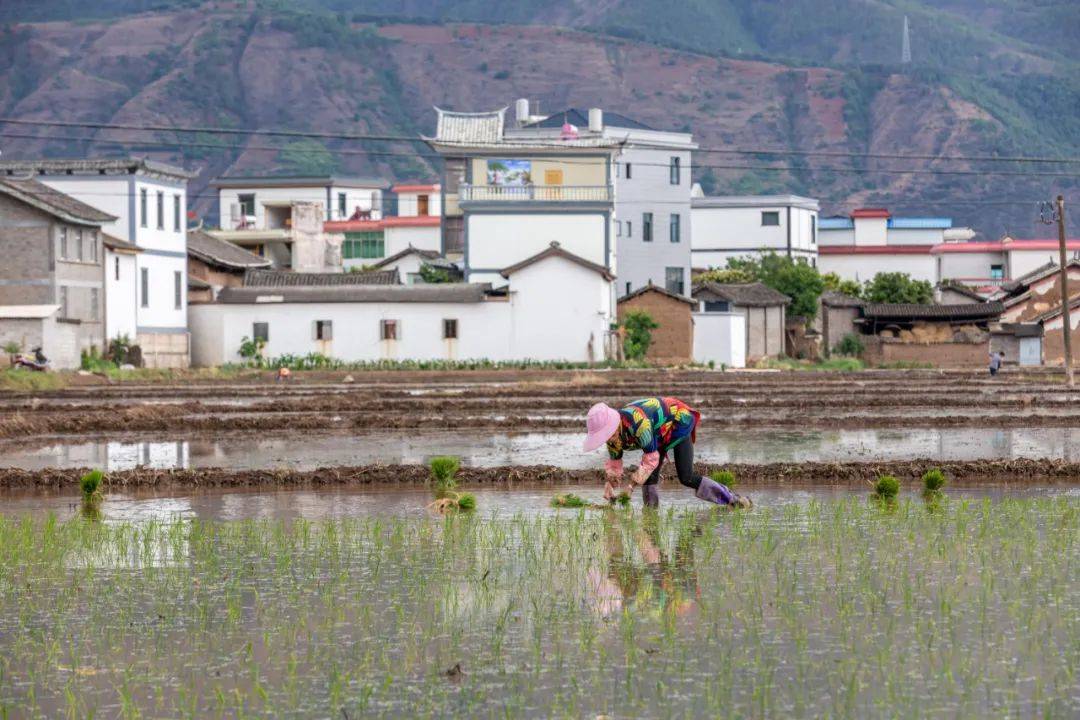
point(1066, 325)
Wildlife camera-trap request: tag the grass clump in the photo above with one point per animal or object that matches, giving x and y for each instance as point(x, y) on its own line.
point(569, 500)
point(933, 484)
point(886, 488)
point(724, 477)
point(90, 485)
point(466, 501)
point(623, 499)
point(444, 469)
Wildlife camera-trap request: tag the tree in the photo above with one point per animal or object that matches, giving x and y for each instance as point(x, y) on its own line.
point(799, 280)
point(725, 275)
point(834, 283)
point(639, 326)
point(433, 275)
point(897, 287)
point(307, 157)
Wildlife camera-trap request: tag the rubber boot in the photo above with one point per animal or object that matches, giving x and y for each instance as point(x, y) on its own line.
point(650, 496)
point(711, 491)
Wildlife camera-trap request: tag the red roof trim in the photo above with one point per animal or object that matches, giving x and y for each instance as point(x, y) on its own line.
point(1003, 246)
point(416, 188)
point(389, 222)
point(875, 249)
point(870, 213)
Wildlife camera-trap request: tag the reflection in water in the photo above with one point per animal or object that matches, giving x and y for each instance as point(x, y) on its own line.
point(761, 445)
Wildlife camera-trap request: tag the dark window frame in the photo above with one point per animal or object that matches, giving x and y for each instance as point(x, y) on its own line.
point(675, 170)
point(675, 228)
point(450, 328)
point(144, 286)
point(178, 290)
point(646, 227)
point(671, 287)
point(770, 215)
point(160, 210)
point(176, 213)
point(389, 329)
point(144, 207)
point(260, 330)
point(324, 329)
point(246, 200)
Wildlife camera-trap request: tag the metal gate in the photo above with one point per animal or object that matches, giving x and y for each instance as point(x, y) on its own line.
point(1031, 351)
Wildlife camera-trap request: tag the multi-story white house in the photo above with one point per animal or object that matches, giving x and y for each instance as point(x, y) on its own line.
point(415, 225)
point(651, 181)
point(726, 227)
point(265, 203)
point(149, 201)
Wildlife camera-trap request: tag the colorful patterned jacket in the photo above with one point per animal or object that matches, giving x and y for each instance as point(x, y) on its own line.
point(654, 426)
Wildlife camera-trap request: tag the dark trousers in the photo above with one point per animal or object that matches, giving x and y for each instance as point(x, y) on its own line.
point(684, 466)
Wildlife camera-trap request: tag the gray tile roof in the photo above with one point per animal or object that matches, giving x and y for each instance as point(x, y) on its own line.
point(832, 298)
point(748, 294)
point(288, 278)
point(555, 250)
point(114, 243)
point(467, 128)
point(54, 202)
point(1022, 283)
point(222, 253)
point(961, 289)
point(910, 311)
point(580, 118)
point(102, 166)
point(440, 293)
point(650, 288)
point(425, 254)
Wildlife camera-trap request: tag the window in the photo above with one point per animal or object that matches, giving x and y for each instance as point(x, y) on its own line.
point(449, 329)
point(342, 206)
point(63, 243)
point(176, 213)
point(770, 217)
point(142, 207)
point(618, 228)
point(79, 245)
point(363, 245)
point(627, 287)
point(260, 331)
point(93, 246)
point(160, 210)
point(646, 227)
point(247, 204)
point(63, 302)
point(178, 290)
point(673, 280)
point(144, 286)
point(674, 230)
point(116, 268)
point(628, 172)
point(94, 312)
point(422, 205)
point(629, 229)
point(997, 272)
point(324, 329)
point(676, 170)
point(388, 329)
point(813, 229)
point(717, 306)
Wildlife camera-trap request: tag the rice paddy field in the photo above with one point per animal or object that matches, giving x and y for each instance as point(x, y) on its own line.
point(339, 592)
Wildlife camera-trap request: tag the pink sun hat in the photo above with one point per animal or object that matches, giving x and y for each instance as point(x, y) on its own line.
point(601, 424)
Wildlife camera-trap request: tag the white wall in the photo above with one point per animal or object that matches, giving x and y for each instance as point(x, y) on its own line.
point(836, 237)
point(1021, 262)
point(499, 241)
point(968, 266)
point(408, 203)
point(871, 231)
point(863, 267)
point(421, 238)
point(121, 295)
point(720, 338)
point(915, 236)
point(365, 198)
point(558, 306)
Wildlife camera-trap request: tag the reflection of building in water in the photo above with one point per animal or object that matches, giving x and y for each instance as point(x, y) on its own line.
point(164, 455)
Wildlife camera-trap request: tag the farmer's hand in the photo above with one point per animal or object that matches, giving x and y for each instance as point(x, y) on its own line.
point(609, 491)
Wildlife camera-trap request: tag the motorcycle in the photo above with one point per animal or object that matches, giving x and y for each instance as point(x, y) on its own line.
point(39, 363)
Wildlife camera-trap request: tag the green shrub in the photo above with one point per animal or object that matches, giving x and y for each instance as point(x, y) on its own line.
point(12, 348)
point(252, 350)
point(849, 345)
point(887, 487)
point(93, 361)
point(724, 477)
point(639, 326)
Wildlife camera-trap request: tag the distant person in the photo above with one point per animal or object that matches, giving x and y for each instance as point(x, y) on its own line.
point(995, 362)
point(654, 425)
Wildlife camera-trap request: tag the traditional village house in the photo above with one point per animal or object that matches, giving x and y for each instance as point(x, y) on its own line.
point(673, 341)
point(763, 308)
point(214, 263)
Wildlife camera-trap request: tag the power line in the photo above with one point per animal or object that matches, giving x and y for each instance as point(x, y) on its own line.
point(416, 139)
point(436, 156)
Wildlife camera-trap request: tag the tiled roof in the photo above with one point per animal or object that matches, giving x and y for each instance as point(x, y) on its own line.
point(195, 283)
point(114, 243)
point(222, 253)
point(1036, 275)
point(104, 166)
point(1056, 310)
point(875, 249)
point(870, 213)
point(754, 201)
point(580, 118)
point(1004, 245)
point(555, 250)
point(426, 254)
point(435, 293)
point(1020, 329)
point(839, 299)
point(940, 312)
point(650, 288)
point(961, 289)
point(752, 294)
point(467, 128)
point(54, 202)
point(416, 187)
point(288, 278)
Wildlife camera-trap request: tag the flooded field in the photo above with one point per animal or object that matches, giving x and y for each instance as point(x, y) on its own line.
point(488, 449)
point(836, 607)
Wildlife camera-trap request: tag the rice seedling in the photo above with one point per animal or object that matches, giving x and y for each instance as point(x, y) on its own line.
point(825, 609)
point(886, 488)
point(444, 470)
point(569, 500)
point(933, 484)
point(724, 477)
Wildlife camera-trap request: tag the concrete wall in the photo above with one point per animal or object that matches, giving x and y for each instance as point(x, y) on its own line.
point(121, 295)
point(720, 338)
point(368, 199)
point(968, 266)
point(949, 354)
point(721, 233)
point(836, 322)
point(764, 331)
point(1021, 262)
point(497, 241)
point(871, 231)
point(649, 190)
point(58, 340)
point(673, 341)
point(421, 238)
point(863, 267)
point(408, 203)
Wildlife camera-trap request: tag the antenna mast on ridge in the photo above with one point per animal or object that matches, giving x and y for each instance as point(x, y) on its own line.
point(905, 52)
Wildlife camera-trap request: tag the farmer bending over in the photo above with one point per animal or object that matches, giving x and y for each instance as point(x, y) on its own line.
point(653, 425)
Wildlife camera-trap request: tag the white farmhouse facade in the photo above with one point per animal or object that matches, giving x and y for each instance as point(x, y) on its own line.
point(121, 288)
point(989, 263)
point(557, 307)
point(262, 203)
point(726, 227)
point(149, 201)
point(418, 199)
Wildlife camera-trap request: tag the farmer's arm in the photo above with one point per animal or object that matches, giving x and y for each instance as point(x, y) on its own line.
point(613, 469)
point(650, 449)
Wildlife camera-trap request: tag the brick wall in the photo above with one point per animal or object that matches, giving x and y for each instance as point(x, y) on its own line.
point(947, 354)
point(673, 341)
point(24, 237)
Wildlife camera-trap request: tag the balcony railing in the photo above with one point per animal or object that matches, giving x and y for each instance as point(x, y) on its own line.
point(536, 193)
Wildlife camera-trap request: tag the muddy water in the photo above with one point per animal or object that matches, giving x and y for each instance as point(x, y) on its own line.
point(246, 452)
point(357, 502)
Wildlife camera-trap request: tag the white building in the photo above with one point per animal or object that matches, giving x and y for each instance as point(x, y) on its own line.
point(989, 263)
point(651, 182)
point(418, 199)
point(417, 225)
point(726, 227)
point(872, 241)
point(149, 201)
point(264, 203)
point(450, 321)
